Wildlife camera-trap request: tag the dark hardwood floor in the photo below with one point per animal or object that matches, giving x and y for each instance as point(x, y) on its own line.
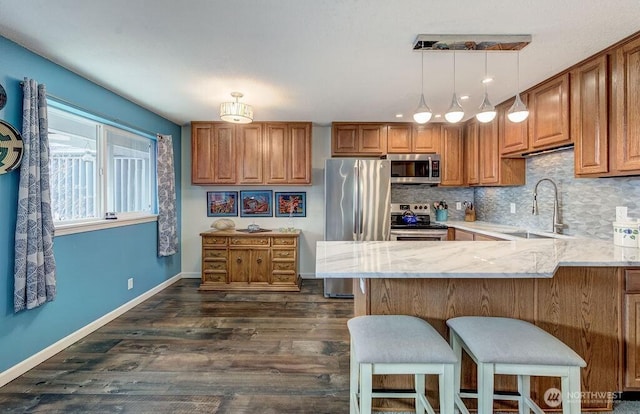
point(185, 351)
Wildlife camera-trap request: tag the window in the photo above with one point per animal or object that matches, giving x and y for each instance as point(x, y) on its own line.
point(98, 168)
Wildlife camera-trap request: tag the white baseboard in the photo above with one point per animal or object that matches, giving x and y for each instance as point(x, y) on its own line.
point(31, 362)
point(191, 275)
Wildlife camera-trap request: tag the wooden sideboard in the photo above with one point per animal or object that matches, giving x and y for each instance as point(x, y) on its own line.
point(233, 260)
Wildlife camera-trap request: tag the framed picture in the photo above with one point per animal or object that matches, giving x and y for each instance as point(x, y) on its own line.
point(222, 203)
point(291, 204)
point(256, 203)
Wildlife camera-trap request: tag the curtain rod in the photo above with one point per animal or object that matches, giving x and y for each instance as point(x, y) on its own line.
point(100, 115)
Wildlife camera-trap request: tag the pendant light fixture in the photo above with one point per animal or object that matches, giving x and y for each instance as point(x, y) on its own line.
point(486, 112)
point(518, 111)
point(236, 112)
point(455, 113)
point(423, 112)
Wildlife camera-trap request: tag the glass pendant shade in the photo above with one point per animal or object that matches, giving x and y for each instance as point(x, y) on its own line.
point(236, 112)
point(487, 112)
point(455, 113)
point(518, 111)
point(423, 112)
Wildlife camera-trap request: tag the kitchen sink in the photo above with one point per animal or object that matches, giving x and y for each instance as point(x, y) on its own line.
point(527, 235)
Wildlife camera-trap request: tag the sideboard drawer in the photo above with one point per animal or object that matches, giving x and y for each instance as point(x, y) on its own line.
point(279, 266)
point(214, 254)
point(214, 265)
point(284, 241)
point(214, 240)
point(284, 254)
point(249, 241)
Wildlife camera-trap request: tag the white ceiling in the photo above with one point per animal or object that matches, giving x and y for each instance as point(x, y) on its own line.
point(308, 60)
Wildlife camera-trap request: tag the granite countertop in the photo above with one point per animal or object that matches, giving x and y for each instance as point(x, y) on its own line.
point(519, 257)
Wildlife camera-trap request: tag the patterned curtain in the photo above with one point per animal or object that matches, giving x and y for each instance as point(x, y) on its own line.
point(35, 266)
point(167, 216)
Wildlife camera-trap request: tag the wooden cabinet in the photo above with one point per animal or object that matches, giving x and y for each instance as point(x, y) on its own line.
point(590, 116)
point(471, 155)
point(452, 156)
point(513, 136)
point(399, 139)
point(213, 153)
point(404, 138)
point(625, 116)
point(287, 153)
point(426, 139)
point(353, 139)
point(251, 154)
point(489, 153)
point(632, 328)
point(464, 235)
point(549, 114)
point(248, 261)
point(250, 160)
point(492, 170)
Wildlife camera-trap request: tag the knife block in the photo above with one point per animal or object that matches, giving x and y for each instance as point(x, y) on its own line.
point(469, 214)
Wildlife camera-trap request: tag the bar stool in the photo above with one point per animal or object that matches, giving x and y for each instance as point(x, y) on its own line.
point(513, 347)
point(398, 344)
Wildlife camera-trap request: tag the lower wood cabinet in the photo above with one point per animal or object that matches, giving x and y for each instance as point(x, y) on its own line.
point(234, 260)
point(464, 235)
point(632, 329)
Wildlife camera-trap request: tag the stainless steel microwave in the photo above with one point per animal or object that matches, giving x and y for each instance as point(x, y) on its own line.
point(415, 168)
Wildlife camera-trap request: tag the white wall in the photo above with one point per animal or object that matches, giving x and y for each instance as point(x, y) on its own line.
point(194, 207)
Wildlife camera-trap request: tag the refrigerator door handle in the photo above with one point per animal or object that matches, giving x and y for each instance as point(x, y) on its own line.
point(356, 203)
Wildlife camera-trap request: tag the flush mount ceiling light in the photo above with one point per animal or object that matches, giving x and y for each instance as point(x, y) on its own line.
point(236, 112)
point(486, 112)
point(455, 113)
point(423, 112)
point(518, 111)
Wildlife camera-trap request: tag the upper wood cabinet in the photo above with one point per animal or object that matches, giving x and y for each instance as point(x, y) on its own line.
point(549, 114)
point(399, 139)
point(426, 139)
point(488, 168)
point(288, 153)
point(471, 155)
point(590, 117)
point(513, 136)
point(404, 138)
point(625, 125)
point(249, 141)
point(488, 151)
point(367, 139)
point(452, 156)
point(251, 154)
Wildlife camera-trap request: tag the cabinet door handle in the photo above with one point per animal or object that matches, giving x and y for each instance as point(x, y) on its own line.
point(239, 260)
point(259, 260)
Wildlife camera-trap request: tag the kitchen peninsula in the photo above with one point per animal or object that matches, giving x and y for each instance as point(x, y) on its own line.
point(583, 291)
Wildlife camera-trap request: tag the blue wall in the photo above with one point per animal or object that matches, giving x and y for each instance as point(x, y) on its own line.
point(93, 267)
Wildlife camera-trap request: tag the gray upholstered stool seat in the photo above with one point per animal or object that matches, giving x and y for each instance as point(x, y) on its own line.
point(514, 347)
point(398, 344)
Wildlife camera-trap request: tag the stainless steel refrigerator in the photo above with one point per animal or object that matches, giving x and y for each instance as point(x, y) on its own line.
point(357, 194)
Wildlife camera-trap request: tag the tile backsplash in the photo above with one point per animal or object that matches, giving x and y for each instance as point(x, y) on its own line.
point(587, 205)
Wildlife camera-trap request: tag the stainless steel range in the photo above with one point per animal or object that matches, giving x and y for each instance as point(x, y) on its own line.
point(412, 221)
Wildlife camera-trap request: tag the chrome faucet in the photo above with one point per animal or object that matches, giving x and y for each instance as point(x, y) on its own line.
point(557, 225)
